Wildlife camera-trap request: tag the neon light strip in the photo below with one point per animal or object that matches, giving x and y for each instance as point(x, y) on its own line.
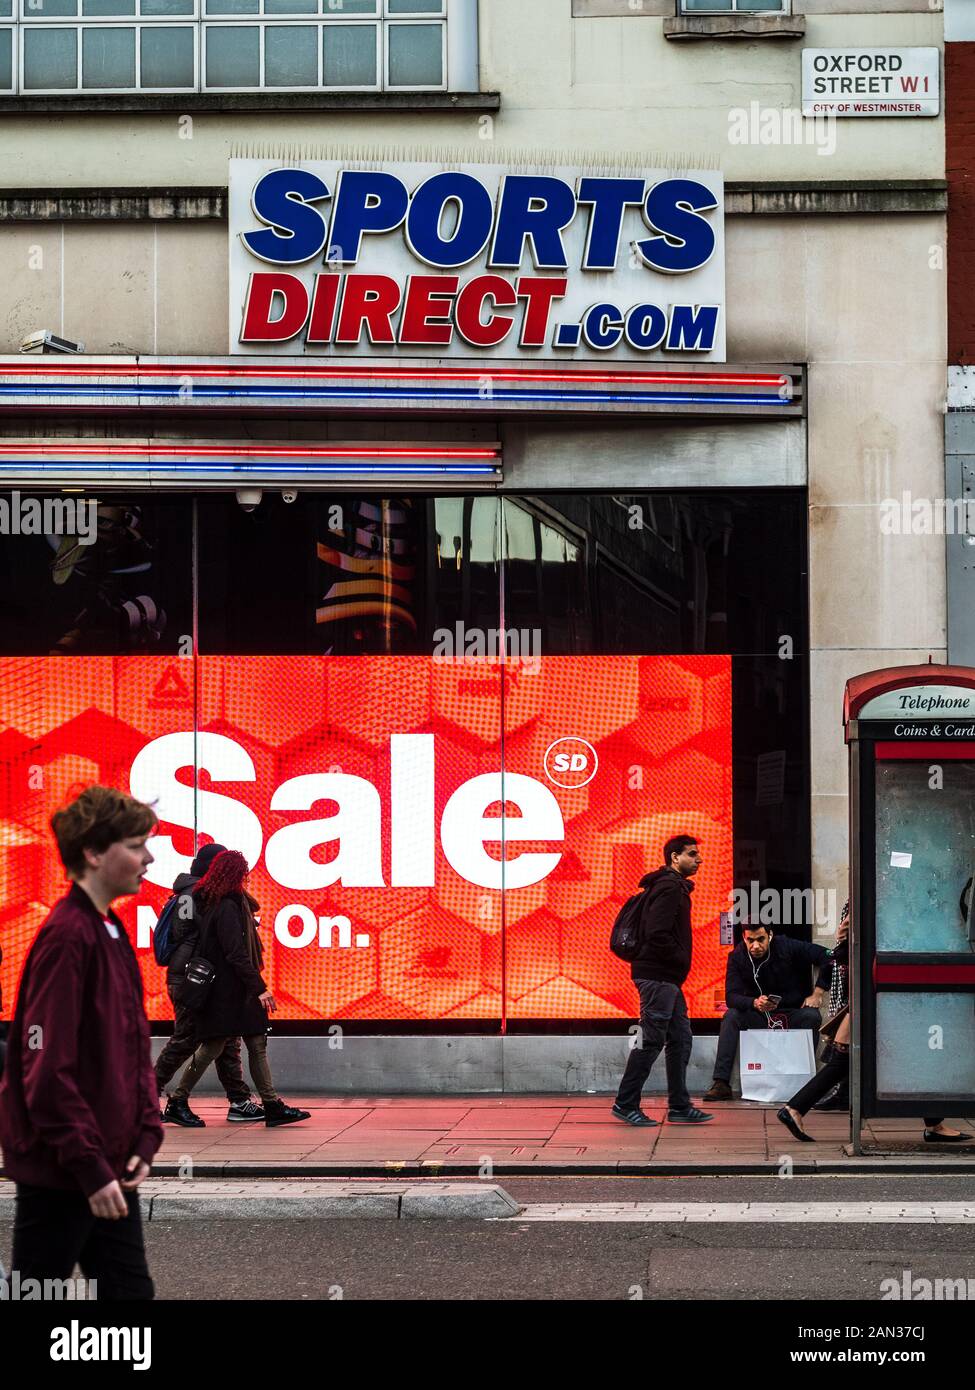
point(399, 393)
point(244, 451)
point(398, 469)
point(401, 374)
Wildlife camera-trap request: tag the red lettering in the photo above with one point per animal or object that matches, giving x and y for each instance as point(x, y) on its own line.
point(322, 321)
point(258, 325)
point(470, 306)
point(540, 294)
point(426, 320)
point(371, 300)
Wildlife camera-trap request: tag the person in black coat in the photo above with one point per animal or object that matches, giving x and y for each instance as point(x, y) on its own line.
point(239, 1000)
point(767, 974)
point(183, 1043)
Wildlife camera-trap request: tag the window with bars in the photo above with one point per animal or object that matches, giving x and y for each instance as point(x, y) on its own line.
point(734, 6)
point(60, 46)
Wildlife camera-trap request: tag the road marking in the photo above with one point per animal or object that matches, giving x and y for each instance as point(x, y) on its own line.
point(819, 1213)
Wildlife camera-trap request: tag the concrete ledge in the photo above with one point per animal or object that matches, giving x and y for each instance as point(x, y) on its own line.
point(735, 26)
point(457, 1201)
point(464, 1064)
point(113, 204)
point(331, 1201)
point(788, 198)
point(255, 1207)
point(712, 1166)
point(250, 103)
point(812, 198)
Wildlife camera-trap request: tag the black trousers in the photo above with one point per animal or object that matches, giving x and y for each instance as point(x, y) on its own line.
point(836, 1070)
point(55, 1230)
point(665, 1028)
point(183, 1044)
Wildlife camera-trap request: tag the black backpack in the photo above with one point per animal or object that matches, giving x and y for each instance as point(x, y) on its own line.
point(162, 937)
point(624, 939)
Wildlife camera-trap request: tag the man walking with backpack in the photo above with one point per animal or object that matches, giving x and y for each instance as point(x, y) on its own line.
point(660, 962)
point(174, 942)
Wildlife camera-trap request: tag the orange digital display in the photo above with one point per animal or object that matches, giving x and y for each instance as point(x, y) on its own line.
point(429, 838)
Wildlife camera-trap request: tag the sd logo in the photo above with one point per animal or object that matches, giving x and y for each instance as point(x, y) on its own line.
point(570, 762)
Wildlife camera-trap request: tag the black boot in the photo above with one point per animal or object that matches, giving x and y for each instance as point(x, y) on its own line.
point(178, 1112)
point(276, 1112)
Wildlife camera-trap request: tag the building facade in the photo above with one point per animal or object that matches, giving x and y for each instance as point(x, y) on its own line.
point(533, 574)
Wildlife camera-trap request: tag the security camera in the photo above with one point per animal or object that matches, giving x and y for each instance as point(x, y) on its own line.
point(249, 498)
point(46, 341)
point(289, 495)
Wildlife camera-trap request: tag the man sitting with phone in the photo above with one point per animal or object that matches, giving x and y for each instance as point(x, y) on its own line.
point(767, 979)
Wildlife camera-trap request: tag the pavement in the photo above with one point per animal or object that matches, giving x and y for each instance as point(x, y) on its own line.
point(487, 1137)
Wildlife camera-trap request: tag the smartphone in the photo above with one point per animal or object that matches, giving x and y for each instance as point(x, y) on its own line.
point(774, 999)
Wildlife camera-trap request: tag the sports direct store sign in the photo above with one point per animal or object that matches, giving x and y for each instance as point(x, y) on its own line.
point(366, 792)
point(477, 261)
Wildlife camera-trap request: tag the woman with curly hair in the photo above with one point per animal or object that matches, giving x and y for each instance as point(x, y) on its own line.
point(239, 1001)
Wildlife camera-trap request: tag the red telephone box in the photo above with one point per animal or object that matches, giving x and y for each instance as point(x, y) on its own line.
point(911, 737)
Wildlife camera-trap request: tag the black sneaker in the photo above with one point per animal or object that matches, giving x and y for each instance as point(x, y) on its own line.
point(633, 1117)
point(690, 1116)
point(178, 1112)
point(278, 1113)
point(244, 1110)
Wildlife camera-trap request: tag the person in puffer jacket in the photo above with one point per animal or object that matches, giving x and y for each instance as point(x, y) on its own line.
point(183, 1043)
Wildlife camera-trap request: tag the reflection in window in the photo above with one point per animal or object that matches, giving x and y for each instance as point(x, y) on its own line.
point(122, 586)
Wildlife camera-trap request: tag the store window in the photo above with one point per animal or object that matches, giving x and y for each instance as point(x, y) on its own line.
point(57, 46)
point(449, 732)
point(734, 6)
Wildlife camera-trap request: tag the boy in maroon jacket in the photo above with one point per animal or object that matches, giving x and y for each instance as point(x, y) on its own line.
point(79, 1110)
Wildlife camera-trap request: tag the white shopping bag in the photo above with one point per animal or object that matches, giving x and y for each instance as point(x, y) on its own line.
point(775, 1062)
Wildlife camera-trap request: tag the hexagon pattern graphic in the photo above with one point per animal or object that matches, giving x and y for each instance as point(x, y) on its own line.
point(385, 874)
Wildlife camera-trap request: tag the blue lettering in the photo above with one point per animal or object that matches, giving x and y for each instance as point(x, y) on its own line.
point(364, 202)
point(603, 327)
point(475, 220)
point(693, 327)
point(686, 241)
point(294, 230)
point(609, 198)
point(646, 327)
point(535, 209)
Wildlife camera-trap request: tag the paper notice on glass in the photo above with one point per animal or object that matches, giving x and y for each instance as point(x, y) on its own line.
point(900, 861)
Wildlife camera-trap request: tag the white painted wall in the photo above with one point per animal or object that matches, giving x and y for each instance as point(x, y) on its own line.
point(588, 84)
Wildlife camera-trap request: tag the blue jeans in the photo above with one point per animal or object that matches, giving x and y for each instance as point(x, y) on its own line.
point(664, 1025)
